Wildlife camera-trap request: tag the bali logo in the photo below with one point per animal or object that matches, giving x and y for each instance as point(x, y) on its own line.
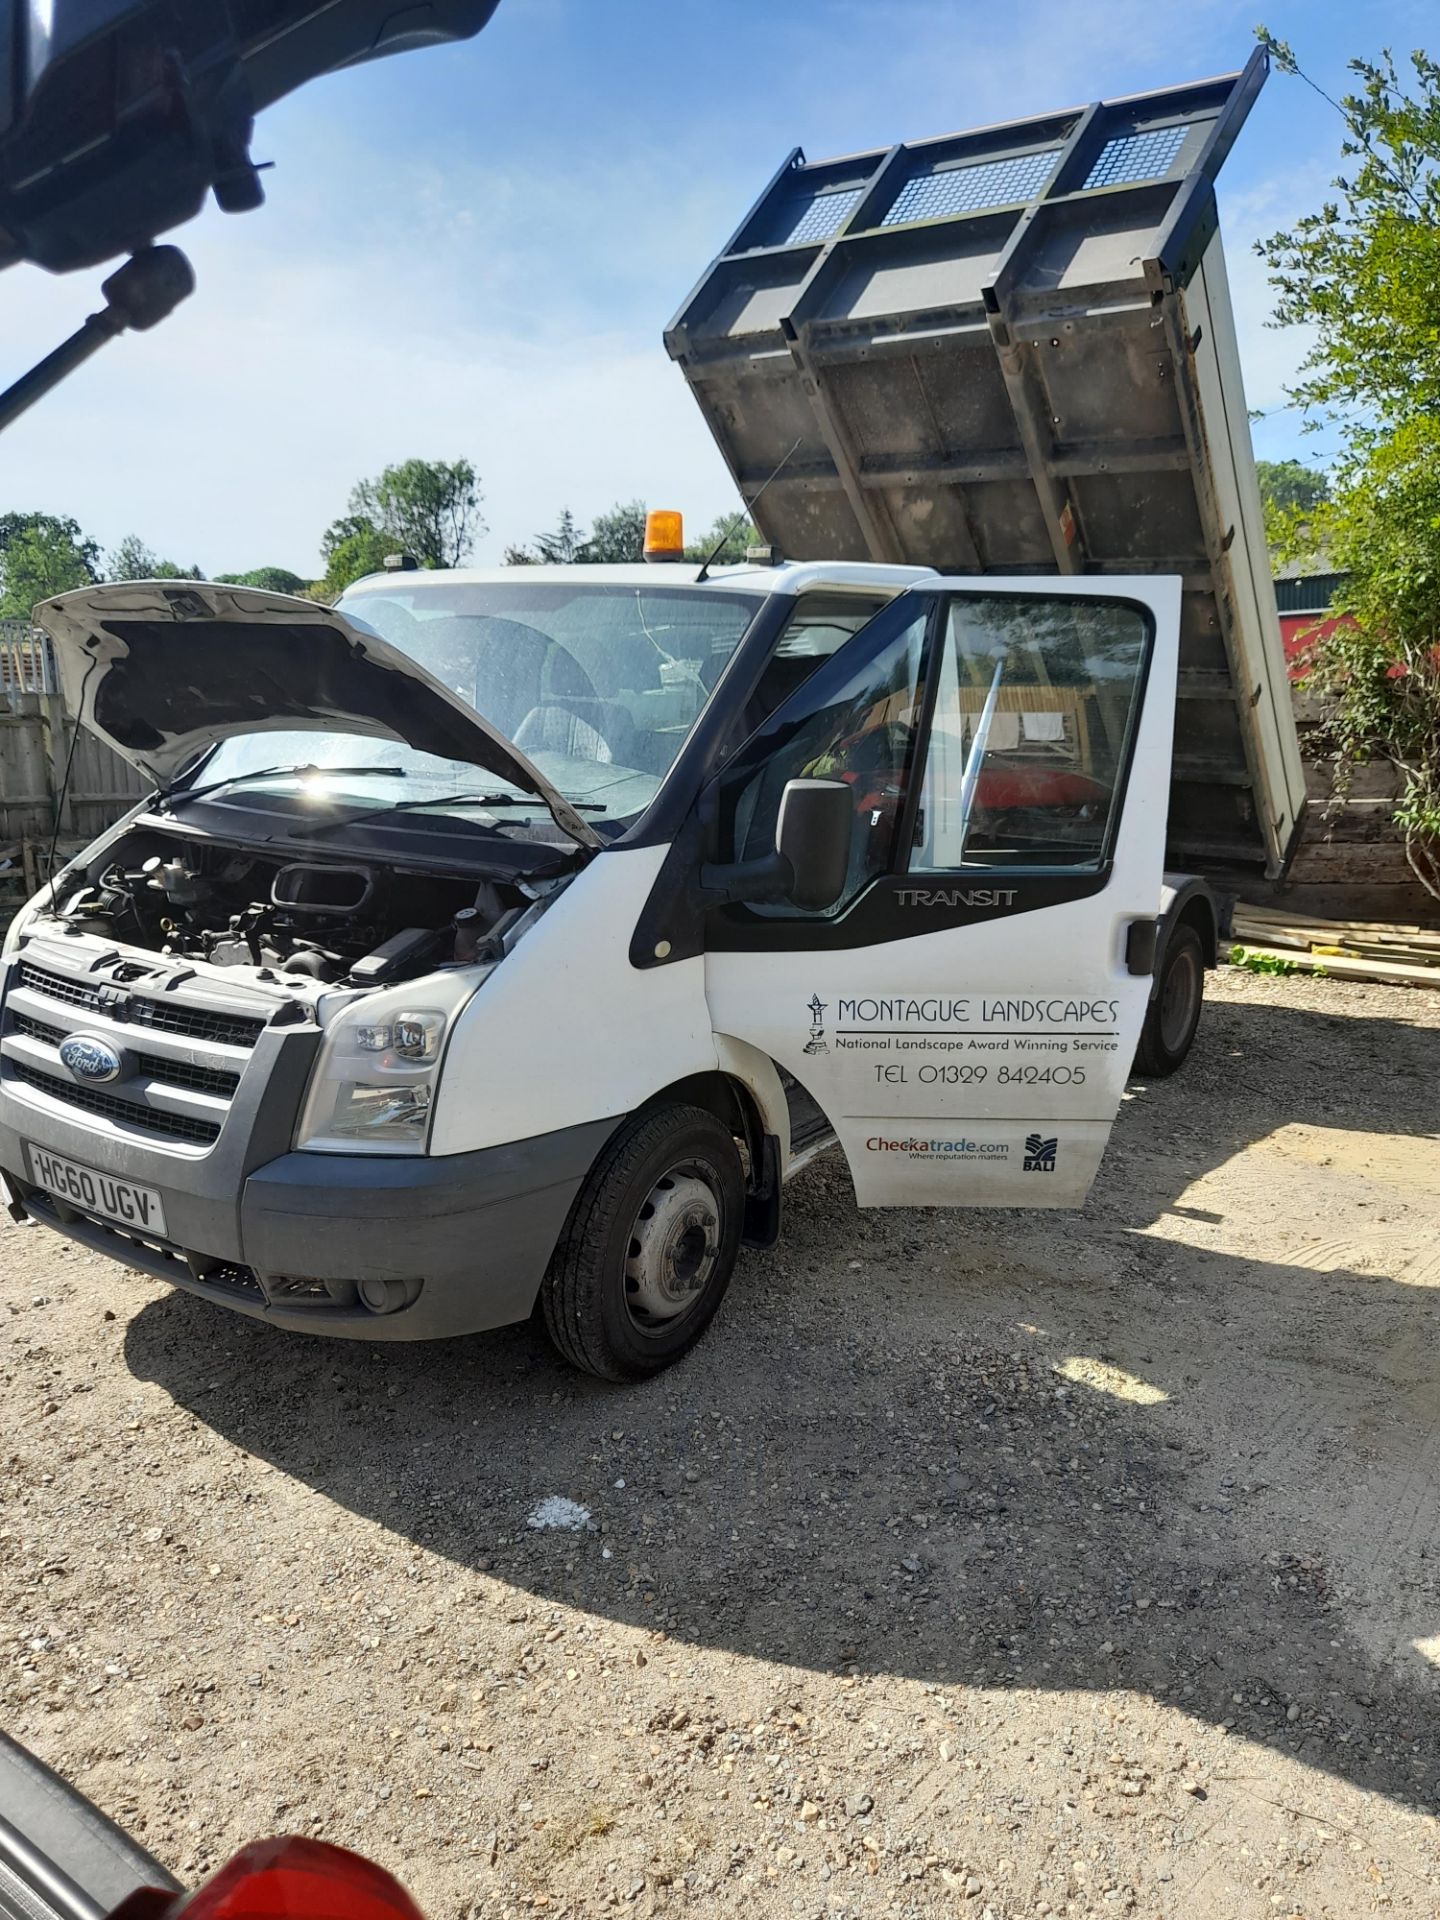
point(1039, 1154)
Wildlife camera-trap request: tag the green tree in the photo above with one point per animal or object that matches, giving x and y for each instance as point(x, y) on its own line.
point(565, 544)
point(41, 554)
point(1364, 273)
point(618, 535)
point(353, 546)
point(1365, 269)
point(133, 560)
point(13, 524)
point(1289, 490)
point(1290, 483)
point(428, 508)
point(732, 533)
point(266, 579)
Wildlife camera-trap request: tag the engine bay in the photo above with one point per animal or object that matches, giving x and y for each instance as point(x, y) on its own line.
point(342, 920)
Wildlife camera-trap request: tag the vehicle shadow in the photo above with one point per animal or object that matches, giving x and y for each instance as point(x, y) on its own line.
point(873, 1464)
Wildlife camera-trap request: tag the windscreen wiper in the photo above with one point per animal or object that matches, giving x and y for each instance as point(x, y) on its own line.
point(451, 800)
point(172, 794)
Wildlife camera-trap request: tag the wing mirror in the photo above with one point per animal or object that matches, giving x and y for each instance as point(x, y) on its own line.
point(812, 837)
point(812, 852)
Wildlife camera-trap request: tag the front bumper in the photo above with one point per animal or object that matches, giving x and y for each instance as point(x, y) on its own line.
point(393, 1247)
point(467, 1238)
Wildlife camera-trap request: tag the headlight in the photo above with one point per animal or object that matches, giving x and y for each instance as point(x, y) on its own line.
point(373, 1084)
point(410, 1035)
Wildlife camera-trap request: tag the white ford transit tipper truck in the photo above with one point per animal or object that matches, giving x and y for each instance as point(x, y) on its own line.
point(496, 937)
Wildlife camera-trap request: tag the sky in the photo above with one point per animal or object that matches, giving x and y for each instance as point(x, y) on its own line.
point(473, 251)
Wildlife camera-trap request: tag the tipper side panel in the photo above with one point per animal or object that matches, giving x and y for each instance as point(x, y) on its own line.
point(1011, 351)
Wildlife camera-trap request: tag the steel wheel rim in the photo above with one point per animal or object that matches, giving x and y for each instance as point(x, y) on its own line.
point(674, 1247)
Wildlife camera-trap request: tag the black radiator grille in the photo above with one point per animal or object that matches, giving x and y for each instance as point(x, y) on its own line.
point(37, 1029)
point(191, 1023)
point(171, 1126)
point(180, 1073)
point(154, 1066)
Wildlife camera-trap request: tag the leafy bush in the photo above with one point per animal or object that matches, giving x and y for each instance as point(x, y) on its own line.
point(1364, 272)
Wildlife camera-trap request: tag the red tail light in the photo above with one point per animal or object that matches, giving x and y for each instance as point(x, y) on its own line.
point(285, 1880)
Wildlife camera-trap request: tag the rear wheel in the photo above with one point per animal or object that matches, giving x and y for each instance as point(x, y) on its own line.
point(649, 1247)
point(1174, 1011)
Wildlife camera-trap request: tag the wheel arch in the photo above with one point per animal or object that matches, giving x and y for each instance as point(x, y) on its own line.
point(750, 1111)
point(1187, 901)
point(722, 1094)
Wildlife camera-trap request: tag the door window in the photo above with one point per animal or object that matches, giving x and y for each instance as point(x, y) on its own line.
point(1036, 700)
point(857, 718)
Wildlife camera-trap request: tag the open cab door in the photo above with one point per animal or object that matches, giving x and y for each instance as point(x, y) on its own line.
point(966, 1013)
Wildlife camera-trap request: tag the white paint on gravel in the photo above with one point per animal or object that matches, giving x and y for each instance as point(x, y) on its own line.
point(556, 1511)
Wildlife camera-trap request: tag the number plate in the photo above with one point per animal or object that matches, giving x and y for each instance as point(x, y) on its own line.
point(129, 1205)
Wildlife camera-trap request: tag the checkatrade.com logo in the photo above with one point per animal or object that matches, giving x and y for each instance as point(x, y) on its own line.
point(962, 1149)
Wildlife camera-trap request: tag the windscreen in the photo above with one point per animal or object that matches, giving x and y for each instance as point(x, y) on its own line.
point(596, 685)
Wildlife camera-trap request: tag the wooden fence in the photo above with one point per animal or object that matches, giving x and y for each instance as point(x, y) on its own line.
point(35, 743)
point(1350, 864)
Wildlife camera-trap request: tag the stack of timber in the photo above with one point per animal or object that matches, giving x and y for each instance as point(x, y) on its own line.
point(1343, 949)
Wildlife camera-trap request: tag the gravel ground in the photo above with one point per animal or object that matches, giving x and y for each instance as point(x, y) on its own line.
point(989, 1564)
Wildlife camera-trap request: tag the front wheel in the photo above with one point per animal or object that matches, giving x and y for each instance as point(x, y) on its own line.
point(1174, 1010)
point(649, 1247)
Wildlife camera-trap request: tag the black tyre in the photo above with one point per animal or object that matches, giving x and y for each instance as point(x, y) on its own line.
point(649, 1247)
point(1174, 1012)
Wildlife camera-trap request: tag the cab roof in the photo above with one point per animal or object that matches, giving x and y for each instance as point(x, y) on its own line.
point(788, 577)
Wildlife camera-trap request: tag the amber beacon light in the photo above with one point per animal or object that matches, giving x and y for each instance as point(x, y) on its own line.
point(664, 534)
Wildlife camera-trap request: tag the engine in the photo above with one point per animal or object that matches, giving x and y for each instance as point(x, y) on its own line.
point(340, 920)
